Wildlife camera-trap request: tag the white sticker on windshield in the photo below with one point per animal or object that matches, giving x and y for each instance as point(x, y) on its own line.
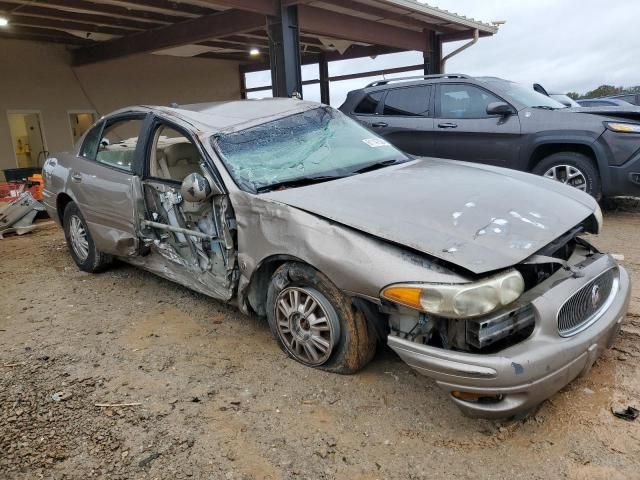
point(376, 142)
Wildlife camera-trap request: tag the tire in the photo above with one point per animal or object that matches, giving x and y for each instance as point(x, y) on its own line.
point(81, 246)
point(350, 338)
point(558, 165)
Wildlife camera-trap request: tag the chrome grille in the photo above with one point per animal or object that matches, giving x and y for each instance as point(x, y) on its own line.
point(584, 307)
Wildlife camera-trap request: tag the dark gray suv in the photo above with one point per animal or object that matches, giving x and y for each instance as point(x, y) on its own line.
point(499, 122)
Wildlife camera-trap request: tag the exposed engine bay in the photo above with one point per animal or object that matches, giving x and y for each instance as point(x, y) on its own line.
point(501, 329)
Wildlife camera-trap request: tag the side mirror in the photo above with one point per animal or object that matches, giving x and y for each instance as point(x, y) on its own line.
point(196, 188)
point(500, 108)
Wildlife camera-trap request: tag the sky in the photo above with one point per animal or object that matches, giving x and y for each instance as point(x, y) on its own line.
point(565, 45)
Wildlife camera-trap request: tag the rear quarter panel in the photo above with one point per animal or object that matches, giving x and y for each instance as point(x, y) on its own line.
point(55, 174)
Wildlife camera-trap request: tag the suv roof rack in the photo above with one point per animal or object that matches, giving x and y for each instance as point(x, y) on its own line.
point(417, 77)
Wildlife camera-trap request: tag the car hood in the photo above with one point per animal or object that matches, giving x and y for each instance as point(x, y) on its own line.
point(478, 217)
point(628, 113)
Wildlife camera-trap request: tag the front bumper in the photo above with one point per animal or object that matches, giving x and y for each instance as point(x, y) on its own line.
point(622, 171)
point(531, 371)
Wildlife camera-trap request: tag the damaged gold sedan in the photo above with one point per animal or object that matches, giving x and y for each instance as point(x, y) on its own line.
point(478, 277)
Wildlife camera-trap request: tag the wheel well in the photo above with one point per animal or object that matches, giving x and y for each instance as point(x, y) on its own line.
point(61, 203)
point(543, 151)
point(259, 283)
point(256, 294)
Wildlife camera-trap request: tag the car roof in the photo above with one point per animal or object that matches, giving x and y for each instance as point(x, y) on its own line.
point(228, 116)
point(426, 80)
point(415, 80)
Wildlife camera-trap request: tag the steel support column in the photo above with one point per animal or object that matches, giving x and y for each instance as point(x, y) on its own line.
point(284, 52)
point(242, 78)
point(433, 55)
point(323, 67)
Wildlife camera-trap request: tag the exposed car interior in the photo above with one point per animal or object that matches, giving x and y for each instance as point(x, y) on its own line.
point(173, 156)
point(185, 234)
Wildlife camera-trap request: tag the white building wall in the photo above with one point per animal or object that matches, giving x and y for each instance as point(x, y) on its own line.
point(38, 76)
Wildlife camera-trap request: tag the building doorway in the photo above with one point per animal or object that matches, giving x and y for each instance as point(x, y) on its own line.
point(27, 138)
point(80, 122)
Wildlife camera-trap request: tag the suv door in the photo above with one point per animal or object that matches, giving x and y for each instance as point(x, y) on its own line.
point(406, 119)
point(467, 132)
point(104, 180)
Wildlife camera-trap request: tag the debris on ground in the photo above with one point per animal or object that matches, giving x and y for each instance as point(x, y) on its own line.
point(629, 414)
point(61, 396)
point(18, 215)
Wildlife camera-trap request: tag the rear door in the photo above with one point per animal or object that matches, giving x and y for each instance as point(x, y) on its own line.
point(405, 119)
point(467, 132)
point(104, 179)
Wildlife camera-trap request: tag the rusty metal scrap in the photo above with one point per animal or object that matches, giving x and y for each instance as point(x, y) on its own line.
point(18, 215)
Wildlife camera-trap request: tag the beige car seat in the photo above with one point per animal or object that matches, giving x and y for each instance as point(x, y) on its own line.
point(181, 160)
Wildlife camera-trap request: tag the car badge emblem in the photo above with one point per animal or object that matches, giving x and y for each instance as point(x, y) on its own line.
point(595, 295)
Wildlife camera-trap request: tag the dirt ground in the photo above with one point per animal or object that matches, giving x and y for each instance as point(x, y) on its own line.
point(215, 398)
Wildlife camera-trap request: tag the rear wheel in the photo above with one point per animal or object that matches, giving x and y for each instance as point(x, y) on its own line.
point(81, 246)
point(315, 323)
point(573, 169)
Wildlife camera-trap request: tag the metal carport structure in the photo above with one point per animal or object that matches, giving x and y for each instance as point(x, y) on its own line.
point(287, 33)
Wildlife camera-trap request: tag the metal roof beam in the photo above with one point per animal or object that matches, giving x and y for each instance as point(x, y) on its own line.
point(38, 11)
point(264, 7)
point(324, 22)
point(183, 33)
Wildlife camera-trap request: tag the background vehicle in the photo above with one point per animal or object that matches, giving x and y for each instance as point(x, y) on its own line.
point(498, 122)
point(632, 98)
point(603, 102)
point(293, 211)
point(566, 100)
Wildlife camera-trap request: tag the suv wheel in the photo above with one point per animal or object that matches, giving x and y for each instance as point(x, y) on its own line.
point(315, 323)
point(81, 246)
point(573, 169)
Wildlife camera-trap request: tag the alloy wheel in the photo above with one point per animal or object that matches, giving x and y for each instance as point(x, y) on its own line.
point(569, 175)
point(78, 236)
point(307, 324)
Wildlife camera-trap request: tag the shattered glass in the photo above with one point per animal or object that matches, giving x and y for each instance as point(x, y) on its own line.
point(318, 142)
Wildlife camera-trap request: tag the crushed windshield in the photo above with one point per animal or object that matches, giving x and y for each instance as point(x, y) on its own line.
point(318, 143)
point(525, 95)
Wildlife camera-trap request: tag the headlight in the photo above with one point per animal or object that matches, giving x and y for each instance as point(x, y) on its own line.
point(623, 127)
point(599, 218)
point(458, 300)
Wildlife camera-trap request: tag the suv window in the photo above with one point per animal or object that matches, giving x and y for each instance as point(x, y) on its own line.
point(464, 101)
point(411, 101)
point(369, 105)
point(118, 143)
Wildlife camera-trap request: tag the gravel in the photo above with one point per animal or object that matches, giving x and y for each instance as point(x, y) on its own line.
point(209, 394)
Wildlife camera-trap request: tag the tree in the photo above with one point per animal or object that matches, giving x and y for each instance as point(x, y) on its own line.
point(573, 95)
point(603, 91)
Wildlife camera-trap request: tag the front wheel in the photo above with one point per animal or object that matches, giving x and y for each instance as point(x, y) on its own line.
point(573, 169)
point(315, 323)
